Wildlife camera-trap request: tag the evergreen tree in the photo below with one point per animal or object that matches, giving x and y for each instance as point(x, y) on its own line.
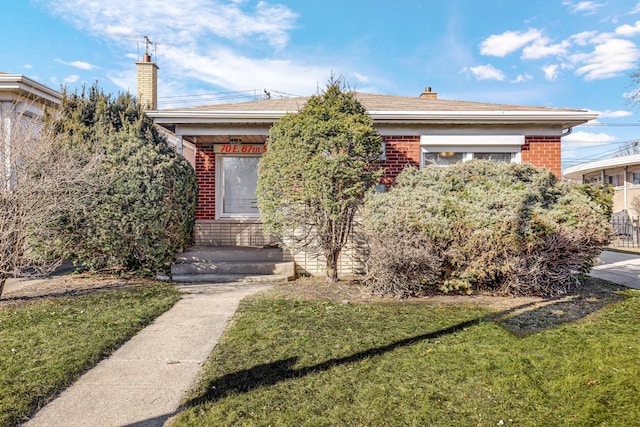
point(319, 164)
point(145, 210)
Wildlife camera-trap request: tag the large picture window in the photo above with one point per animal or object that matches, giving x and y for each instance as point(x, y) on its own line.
point(238, 179)
point(444, 150)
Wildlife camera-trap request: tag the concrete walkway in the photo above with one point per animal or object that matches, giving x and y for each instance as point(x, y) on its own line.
point(618, 267)
point(143, 382)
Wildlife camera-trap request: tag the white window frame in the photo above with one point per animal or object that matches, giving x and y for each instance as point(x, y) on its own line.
point(469, 144)
point(220, 214)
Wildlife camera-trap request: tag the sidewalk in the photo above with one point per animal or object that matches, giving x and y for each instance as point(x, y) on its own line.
point(619, 267)
point(143, 382)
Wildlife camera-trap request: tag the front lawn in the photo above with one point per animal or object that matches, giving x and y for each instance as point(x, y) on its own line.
point(46, 342)
point(294, 362)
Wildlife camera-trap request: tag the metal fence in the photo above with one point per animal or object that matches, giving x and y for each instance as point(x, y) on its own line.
point(627, 232)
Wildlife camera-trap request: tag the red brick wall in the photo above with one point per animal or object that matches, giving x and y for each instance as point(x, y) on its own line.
point(401, 152)
point(543, 151)
point(206, 178)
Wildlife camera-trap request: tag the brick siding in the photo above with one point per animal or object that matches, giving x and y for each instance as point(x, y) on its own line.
point(206, 178)
point(543, 151)
point(401, 151)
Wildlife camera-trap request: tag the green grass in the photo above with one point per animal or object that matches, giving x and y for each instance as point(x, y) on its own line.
point(48, 343)
point(320, 363)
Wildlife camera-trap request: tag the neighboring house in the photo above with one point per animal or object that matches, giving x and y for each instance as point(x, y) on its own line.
point(623, 173)
point(230, 138)
point(23, 103)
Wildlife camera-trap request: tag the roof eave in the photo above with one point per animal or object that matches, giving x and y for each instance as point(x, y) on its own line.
point(24, 86)
point(576, 172)
point(561, 118)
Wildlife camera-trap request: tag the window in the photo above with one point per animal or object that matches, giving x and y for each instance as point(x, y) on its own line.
point(446, 158)
point(496, 157)
point(239, 180)
point(635, 178)
point(615, 180)
point(443, 150)
point(443, 158)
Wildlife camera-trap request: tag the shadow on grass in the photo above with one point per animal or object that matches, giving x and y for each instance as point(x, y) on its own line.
point(522, 319)
point(556, 311)
point(65, 293)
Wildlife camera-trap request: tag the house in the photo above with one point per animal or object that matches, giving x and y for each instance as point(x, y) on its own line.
point(23, 95)
point(23, 103)
point(229, 139)
point(622, 172)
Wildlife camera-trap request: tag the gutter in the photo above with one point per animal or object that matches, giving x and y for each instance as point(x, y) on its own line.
point(566, 118)
point(28, 87)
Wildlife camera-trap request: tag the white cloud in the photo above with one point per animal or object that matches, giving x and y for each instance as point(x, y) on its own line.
point(71, 79)
point(584, 7)
point(78, 64)
point(503, 44)
point(636, 9)
point(588, 138)
point(182, 21)
point(609, 58)
point(361, 78)
point(521, 78)
point(540, 49)
point(582, 139)
point(608, 114)
point(627, 30)
point(583, 38)
point(550, 72)
point(486, 72)
point(28, 66)
point(227, 69)
point(226, 44)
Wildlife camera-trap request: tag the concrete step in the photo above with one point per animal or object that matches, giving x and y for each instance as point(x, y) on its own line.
point(230, 267)
point(229, 253)
point(227, 278)
point(232, 264)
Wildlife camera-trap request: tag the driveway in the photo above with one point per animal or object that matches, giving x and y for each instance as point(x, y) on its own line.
point(618, 267)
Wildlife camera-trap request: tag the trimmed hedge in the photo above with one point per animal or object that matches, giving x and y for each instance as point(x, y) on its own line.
point(482, 226)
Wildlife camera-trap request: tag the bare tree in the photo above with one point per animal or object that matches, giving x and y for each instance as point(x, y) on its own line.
point(627, 150)
point(43, 187)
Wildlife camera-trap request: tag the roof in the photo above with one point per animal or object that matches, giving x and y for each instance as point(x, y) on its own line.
point(382, 108)
point(18, 86)
point(576, 172)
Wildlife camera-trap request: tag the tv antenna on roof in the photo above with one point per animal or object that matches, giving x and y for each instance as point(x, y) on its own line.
point(147, 43)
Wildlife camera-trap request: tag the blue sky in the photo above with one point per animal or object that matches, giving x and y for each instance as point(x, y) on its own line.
point(554, 53)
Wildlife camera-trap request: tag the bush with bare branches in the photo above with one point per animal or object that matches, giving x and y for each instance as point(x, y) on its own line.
point(43, 188)
point(482, 226)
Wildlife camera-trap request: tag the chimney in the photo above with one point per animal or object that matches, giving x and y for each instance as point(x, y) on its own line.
point(147, 83)
point(428, 94)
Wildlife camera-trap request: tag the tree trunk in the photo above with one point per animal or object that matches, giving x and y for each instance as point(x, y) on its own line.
point(3, 279)
point(332, 265)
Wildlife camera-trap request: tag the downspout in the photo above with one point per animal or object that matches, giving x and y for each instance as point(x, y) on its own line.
point(566, 132)
point(626, 168)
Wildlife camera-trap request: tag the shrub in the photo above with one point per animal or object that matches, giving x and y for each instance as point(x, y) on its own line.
point(144, 210)
point(482, 226)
